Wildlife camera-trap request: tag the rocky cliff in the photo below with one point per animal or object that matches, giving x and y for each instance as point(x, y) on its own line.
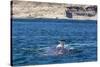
point(30, 9)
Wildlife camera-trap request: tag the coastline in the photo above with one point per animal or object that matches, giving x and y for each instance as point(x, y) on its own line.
point(41, 10)
point(54, 18)
point(46, 19)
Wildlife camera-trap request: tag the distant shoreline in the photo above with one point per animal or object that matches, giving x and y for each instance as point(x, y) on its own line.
point(48, 19)
point(55, 18)
point(41, 10)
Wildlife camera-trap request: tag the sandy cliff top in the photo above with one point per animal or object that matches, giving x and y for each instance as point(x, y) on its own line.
point(29, 9)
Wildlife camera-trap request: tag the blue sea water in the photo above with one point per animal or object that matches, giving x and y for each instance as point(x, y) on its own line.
point(33, 39)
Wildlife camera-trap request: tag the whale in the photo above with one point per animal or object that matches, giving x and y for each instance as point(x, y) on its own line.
point(52, 51)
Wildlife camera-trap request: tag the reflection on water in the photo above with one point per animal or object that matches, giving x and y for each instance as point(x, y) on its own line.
point(34, 41)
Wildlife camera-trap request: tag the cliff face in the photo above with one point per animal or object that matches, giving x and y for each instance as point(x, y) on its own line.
point(29, 9)
point(38, 10)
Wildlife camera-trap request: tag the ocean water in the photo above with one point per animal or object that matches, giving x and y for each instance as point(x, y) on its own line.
point(34, 41)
